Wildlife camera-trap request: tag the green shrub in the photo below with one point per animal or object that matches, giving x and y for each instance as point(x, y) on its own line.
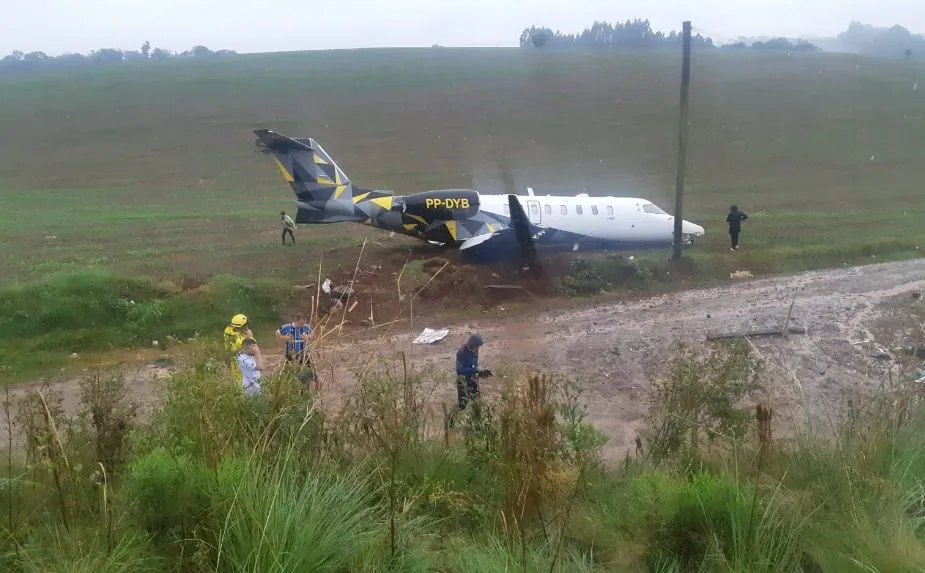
point(281, 519)
point(594, 275)
point(168, 494)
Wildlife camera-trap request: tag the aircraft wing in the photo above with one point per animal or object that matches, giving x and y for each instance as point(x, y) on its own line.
point(518, 238)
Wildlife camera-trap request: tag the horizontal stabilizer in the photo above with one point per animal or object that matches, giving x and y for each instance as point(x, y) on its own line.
point(279, 142)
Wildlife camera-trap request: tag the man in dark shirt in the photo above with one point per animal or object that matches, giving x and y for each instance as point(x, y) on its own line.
point(467, 370)
point(735, 218)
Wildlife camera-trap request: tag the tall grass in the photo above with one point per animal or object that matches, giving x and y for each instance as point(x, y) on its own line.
point(216, 481)
point(279, 519)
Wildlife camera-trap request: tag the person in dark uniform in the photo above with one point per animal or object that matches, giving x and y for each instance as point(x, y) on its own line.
point(735, 218)
point(467, 370)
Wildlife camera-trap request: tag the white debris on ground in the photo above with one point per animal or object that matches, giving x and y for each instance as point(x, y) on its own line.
point(741, 275)
point(430, 336)
point(326, 286)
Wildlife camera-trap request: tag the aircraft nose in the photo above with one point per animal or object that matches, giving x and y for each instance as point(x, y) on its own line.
point(689, 228)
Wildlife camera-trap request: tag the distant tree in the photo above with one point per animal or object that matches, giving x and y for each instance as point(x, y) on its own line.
point(891, 42)
point(106, 56)
point(201, 52)
point(11, 64)
point(17, 61)
point(35, 57)
point(69, 60)
point(804, 46)
point(630, 34)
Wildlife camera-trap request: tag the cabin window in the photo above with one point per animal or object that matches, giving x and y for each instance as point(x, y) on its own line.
point(609, 211)
point(563, 210)
point(653, 209)
point(507, 209)
point(547, 209)
point(534, 210)
point(594, 209)
point(578, 209)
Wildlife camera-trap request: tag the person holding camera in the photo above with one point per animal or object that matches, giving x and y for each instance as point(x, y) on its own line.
point(251, 364)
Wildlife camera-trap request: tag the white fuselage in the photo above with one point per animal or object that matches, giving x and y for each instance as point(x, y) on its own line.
point(613, 219)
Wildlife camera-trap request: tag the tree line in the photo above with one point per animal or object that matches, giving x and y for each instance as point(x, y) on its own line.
point(32, 61)
point(893, 42)
point(638, 34)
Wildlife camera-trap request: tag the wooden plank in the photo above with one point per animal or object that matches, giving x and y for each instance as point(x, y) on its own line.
point(756, 333)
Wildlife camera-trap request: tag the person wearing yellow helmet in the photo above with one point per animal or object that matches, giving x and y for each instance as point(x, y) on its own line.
point(236, 332)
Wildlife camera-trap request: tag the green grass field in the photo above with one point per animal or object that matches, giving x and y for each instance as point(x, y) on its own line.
point(152, 169)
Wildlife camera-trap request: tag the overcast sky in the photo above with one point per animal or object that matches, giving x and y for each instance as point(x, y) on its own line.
point(57, 26)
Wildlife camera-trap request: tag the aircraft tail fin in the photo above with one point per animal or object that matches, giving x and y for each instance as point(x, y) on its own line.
point(309, 170)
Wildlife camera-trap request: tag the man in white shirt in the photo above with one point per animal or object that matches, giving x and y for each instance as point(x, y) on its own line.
point(288, 226)
point(250, 363)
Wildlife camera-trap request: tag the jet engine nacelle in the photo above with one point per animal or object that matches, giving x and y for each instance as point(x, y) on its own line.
point(445, 204)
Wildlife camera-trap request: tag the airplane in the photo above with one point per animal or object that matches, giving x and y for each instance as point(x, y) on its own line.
point(484, 228)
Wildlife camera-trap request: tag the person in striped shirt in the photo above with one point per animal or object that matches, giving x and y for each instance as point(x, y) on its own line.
point(296, 334)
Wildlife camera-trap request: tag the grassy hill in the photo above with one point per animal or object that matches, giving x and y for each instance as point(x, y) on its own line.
point(151, 168)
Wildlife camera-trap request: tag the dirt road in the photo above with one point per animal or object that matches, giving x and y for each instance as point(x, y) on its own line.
point(616, 349)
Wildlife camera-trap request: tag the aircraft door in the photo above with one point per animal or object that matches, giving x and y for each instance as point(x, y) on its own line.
point(535, 213)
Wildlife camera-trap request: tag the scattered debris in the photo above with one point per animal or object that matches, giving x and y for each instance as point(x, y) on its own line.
point(430, 336)
point(917, 352)
point(756, 333)
point(326, 286)
point(74, 355)
point(343, 292)
point(155, 344)
point(741, 275)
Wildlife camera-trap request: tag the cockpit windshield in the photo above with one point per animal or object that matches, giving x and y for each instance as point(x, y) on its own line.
point(653, 209)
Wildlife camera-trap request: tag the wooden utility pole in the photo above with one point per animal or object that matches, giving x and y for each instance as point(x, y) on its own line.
point(682, 144)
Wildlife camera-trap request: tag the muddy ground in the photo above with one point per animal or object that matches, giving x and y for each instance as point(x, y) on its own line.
point(850, 316)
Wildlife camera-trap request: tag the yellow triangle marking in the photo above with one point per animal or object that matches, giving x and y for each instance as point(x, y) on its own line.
point(285, 173)
point(360, 197)
point(491, 228)
point(324, 179)
point(451, 227)
point(339, 190)
point(319, 160)
point(409, 226)
point(417, 218)
point(384, 202)
point(337, 178)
